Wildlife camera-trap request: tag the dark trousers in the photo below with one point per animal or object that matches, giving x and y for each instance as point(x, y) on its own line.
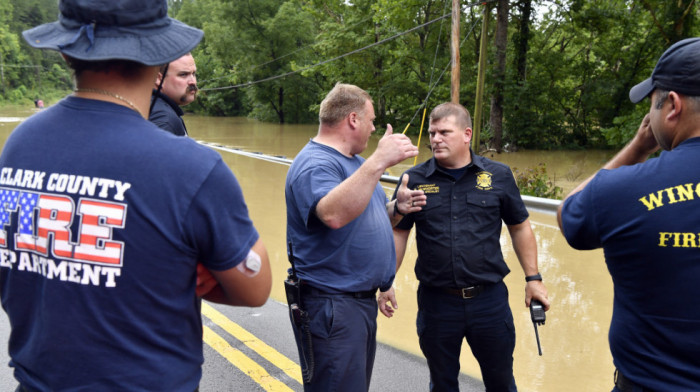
point(624, 384)
point(486, 321)
point(343, 334)
point(21, 388)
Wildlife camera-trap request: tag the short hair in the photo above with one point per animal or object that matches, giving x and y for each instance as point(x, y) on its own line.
point(126, 68)
point(662, 96)
point(342, 100)
point(163, 67)
point(448, 109)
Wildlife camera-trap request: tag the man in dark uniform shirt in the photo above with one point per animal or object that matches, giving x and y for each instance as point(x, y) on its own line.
point(460, 265)
point(179, 88)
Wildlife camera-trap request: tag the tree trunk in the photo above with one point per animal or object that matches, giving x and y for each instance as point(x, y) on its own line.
point(523, 40)
point(501, 39)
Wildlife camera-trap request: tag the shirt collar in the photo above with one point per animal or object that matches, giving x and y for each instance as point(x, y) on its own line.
point(158, 94)
point(477, 161)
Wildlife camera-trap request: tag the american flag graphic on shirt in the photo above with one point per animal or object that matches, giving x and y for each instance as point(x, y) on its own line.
point(45, 220)
point(8, 203)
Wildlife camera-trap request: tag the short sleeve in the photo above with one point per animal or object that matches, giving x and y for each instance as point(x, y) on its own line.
point(578, 220)
point(311, 185)
point(218, 224)
point(514, 209)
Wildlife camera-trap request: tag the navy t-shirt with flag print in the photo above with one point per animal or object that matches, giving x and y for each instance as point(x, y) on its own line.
point(104, 218)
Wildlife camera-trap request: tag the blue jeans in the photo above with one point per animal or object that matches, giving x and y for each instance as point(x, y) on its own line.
point(485, 321)
point(344, 339)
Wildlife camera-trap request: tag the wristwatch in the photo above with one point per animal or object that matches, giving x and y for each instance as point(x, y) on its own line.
point(396, 209)
point(536, 276)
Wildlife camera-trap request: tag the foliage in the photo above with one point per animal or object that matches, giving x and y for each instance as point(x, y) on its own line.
point(249, 41)
point(26, 73)
point(570, 63)
point(536, 182)
point(624, 127)
point(584, 58)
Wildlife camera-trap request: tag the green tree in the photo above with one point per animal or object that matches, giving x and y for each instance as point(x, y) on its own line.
point(666, 23)
point(9, 50)
point(565, 87)
point(584, 57)
point(497, 97)
point(249, 41)
point(24, 70)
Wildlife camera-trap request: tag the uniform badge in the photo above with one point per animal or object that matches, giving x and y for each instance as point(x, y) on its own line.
point(428, 188)
point(483, 181)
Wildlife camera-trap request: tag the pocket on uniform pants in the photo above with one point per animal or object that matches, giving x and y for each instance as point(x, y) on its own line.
point(321, 314)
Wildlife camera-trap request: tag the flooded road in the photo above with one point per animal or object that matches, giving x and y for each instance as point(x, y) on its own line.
point(574, 339)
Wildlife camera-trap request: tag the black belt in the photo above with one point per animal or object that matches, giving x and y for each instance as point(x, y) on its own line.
point(625, 385)
point(466, 292)
point(310, 290)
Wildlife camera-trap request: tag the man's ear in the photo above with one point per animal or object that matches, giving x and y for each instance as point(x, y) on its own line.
point(468, 134)
point(158, 78)
point(676, 108)
point(353, 119)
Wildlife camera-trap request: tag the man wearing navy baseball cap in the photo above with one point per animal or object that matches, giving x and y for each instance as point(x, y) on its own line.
point(645, 214)
point(105, 217)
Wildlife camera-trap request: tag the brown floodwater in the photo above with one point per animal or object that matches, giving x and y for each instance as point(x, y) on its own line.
point(574, 339)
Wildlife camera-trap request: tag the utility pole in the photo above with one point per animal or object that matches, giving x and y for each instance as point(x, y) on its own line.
point(456, 10)
point(476, 130)
point(2, 72)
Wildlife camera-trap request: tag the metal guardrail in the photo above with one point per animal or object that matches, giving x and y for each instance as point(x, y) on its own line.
point(531, 202)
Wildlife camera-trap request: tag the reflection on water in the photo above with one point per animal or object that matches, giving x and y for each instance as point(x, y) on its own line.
point(574, 339)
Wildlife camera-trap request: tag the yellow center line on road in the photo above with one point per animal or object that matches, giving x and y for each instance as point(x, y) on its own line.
point(270, 354)
point(245, 364)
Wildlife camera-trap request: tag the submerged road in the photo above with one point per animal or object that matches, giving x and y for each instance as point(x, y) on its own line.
point(252, 349)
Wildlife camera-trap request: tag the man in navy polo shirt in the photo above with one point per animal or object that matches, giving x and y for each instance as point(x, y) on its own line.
point(339, 230)
point(645, 214)
point(460, 266)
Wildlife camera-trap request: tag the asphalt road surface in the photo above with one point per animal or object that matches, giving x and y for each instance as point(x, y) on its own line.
point(252, 349)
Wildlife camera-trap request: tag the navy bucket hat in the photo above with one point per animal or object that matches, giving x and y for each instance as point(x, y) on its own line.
point(136, 30)
point(678, 69)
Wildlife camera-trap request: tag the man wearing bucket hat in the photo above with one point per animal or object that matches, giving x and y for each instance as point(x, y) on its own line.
point(645, 215)
point(175, 86)
point(101, 231)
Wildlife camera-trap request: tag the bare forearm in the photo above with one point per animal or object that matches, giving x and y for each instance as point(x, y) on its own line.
point(400, 241)
point(525, 246)
point(350, 198)
point(394, 212)
point(217, 295)
point(244, 287)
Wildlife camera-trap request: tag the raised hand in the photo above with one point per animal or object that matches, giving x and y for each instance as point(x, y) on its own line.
point(393, 148)
point(409, 200)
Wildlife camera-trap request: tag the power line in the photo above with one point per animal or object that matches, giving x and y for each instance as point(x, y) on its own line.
point(425, 101)
point(21, 66)
point(281, 57)
point(247, 84)
point(363, 20)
